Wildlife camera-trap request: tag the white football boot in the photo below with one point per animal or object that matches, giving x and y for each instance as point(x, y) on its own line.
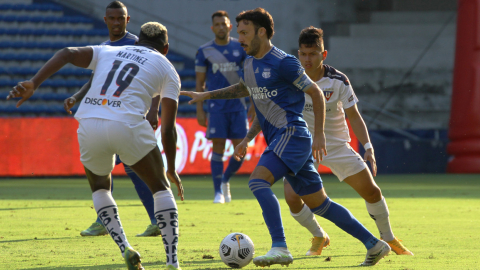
point(226, 192)
point(380, 250)
point(219, 198)
point(276, 255)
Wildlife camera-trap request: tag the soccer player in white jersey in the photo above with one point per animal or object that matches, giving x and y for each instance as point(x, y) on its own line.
point(112, 121)
point(344, 162)
point(277, 83)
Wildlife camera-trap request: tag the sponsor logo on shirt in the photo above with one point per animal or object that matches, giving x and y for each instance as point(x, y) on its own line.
point(103, 102)
point(225, 67)
point(236, 53)
point(350, 98)
point(261, 92)
point(308, 107)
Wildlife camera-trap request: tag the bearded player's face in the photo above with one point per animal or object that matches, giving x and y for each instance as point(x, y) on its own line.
point(248, 37)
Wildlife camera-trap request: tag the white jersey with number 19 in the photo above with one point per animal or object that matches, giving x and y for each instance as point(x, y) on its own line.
point(126, 79)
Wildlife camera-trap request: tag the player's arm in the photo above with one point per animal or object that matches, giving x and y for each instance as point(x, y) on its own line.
point(241, 149)
point(152, 115)
point(78, 96)
point(361, 131)
point(200, 78)
point(251, 111)
point(318, 100)
point(78, 56)
point(238, 90)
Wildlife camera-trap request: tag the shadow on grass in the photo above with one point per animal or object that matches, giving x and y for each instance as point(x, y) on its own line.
point(38, 239)
point(55, 207)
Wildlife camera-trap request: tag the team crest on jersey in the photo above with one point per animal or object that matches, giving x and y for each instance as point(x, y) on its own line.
point(236, 53)
point(327, 94)
point(266, 73)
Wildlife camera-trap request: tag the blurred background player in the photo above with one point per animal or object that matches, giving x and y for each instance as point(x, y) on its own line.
point(277, 84)
point(116, 18)
point(125, 81)
point(344, 162)
point(219, 63)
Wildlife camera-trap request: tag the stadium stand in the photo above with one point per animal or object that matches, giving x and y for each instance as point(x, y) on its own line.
point(32, 31)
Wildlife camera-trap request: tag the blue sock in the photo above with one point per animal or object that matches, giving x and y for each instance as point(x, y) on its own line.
point(232, 168)
point(340, 215)
point(143, 192)
point(270, 210)
point(216, 166)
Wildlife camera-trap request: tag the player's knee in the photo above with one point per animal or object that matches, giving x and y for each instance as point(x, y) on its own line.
point(374, 195)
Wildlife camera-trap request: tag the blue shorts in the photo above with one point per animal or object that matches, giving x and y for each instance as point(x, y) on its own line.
point(233, 125)
point(289, 155)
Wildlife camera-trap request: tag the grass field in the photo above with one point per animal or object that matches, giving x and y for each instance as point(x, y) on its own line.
point(40, 221)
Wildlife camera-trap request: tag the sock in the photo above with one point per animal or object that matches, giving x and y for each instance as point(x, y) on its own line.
point(379, 212)
point(341, 217)
point(108, 213)
point(166, 214)
point(111, 192)
point(306, 218)
point(232, 168)
point(271, 210)
point(143, 192)
point(216, 166)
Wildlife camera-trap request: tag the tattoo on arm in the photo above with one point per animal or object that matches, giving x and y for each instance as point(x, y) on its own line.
point(254, 130)
point(234, 91)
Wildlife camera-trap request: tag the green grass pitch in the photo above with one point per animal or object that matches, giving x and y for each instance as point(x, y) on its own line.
point(436, 216)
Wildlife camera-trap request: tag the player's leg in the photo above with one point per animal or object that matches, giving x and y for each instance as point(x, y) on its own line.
point(302, 214)
point(216, 165)
point(236, 132)
point(260, 182)
point(151, 170)
point(146, 198)
point(364, 184)
point(314, 195)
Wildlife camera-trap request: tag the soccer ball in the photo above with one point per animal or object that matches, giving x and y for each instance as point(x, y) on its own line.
point(236, 250)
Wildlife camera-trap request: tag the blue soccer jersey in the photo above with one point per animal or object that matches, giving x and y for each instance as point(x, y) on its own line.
point(222, 63)
point(276, 84)
point(128, 39)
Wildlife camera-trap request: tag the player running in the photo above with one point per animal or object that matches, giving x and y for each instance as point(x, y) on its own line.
point(116, 18)
point(344, 162)
point(112, 121)
point(277, 83)
point(220, 61)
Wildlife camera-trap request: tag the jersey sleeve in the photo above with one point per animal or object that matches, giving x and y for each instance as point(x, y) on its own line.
point(170, 88)
point(96, 51)
point(347, 96)
point(293, 72)
point(200, 62)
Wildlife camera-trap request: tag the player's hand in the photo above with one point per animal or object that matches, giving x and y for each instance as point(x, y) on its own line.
point(240, 151)
point(251, 113)
point(196, 96)
point(68, 104)
point(152, 118)
point(173, 177)
point(370, 156)
point(22, 90)
point(319, 149)
point(201, 118)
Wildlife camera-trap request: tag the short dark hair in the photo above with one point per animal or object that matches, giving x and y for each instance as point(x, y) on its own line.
point(220, 13)
point(260, 18)
point(154, 32)
point(311, 37)
point(116, 4)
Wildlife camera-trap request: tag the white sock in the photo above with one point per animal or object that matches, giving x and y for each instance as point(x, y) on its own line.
point(107, 211)
point(379, 212)
point(166, 214)
point(306, 218)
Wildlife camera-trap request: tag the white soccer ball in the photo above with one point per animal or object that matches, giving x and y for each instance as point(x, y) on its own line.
point(237, 250)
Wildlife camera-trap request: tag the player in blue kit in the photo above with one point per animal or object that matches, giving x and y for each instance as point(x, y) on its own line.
point(277, 83)
point(219, 63)
point(116, 18)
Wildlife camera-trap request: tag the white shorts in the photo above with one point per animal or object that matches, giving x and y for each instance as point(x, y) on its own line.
point(101, 139)
point(343, 161)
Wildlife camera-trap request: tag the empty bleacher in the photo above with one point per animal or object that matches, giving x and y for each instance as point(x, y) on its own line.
point(31, 32)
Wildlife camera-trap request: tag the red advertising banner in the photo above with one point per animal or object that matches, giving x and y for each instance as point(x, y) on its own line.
point(48, 146)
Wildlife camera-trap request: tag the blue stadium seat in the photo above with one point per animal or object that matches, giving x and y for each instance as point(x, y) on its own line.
point(183, 99)
point(186, 73)
point(6, 6)
point(188, 84)
point(187, 108)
